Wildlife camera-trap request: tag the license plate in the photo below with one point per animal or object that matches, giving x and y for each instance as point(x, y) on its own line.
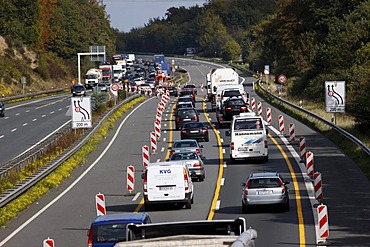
point(166, 188)
point(194, 131)
point(187, 119)
point(264, 192)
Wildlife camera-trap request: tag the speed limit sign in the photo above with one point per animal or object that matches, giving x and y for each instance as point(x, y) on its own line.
point(282, 79)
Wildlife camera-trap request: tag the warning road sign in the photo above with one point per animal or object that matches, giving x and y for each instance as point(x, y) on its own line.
point(81, 112)
point(335, 95)
point(282, 79)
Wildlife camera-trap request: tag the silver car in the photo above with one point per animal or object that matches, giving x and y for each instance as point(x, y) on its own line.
point(266, 188)
point(186, 145)
point(193, 161)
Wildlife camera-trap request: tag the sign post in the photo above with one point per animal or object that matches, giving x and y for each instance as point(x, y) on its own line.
point(335, 97)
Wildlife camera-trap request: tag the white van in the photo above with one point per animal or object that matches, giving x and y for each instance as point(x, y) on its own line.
point(168, 182)
point(248, 137)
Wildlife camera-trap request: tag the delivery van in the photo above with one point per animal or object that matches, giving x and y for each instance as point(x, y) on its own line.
point(248, 137)
point(167, 182)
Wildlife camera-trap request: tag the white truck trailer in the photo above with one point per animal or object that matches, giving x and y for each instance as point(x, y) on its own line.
point(219, 77)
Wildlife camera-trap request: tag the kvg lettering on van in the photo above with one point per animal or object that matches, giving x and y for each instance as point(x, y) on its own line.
point(165, 171)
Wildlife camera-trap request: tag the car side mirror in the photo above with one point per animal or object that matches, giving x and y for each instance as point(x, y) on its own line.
point(203, 158)
point(286, 182)
point(267, 131)
point(201, 146)
point(242, 184)
point(227, 133)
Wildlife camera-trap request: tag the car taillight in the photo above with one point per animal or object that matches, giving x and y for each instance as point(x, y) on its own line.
point(232, 145)
point(196, 118)
point(283, 190)
point(145, 184)
point(204, 130)
point(177, 119)
point(172, 151)
point(197, 150)
point(243, 108)
point(196, 165)
point(186, 181)
point(89, 240)
point(229, 109)
point(184, 131)
point(266, 145)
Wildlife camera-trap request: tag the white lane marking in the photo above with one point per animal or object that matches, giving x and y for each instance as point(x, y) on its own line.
point(1, 136)
point(24, 124)
point(17, 114)
point(218, 203)
point(11, 235)
point(222, 181)
point(162, 149)
point(165, 119)
point(43, 116)
point(136, 196)
point(210, 119)
point(225, 164)
point(13, 130)
point(165, 131)
point(35, 119)
point(28, 111)
point(221, 140)
point(165, 125)
point(164, 139)
point(60, 109)
point(158, 160)
point(218, 131)
point(6, 117)
point(52, 112)
point(223, 150)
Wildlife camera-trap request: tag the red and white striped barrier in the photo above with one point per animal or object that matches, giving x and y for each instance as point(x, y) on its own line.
point(268, 115)
point(302, 148)
point(153, 142)
point(323, 221)
point(130, 178)
point(309, 164)
point(48, 242)
point(253, 104)
point(201, 87)
point(291, 132)
point(145, 153)
point(318, 186)
point(157, 129)
point(259, 108)
point(100, 204)
point(158, 117)
point(281, 124)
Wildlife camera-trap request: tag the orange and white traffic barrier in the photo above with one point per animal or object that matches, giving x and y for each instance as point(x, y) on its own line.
point(100, 204)
point(153, 142)
point(309, 164)
point(48, 242)
point(157, 129)
point(323, 221)
point(259, 108)
point(130, 178)
point(281, 124)
point(145, 154)
point(268, 115)
point(291, 132)
point(318, 186)
point(253, 104)
point(201, 87)
point(302, 148)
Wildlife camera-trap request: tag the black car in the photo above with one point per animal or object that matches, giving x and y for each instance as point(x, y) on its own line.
point(191, 87)
point(182, 105)
point(186, 115)
point(173, 91)
point(187, 93)
point(195, 130)
point(233, 106)
point(78, 90)
point(2, 109)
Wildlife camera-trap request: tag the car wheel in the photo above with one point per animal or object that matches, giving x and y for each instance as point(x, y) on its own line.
point(192, 200)
point(207, 139)
point(266, 158)
point(201, 179)
point(148, 207)
point(244, 209)
point(188, 204)
point(286, 206)
point(232, 160)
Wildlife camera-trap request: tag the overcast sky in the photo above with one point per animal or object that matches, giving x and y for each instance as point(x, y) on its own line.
point(127, 14)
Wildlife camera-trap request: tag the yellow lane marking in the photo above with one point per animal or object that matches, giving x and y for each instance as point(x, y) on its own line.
point(220, 169)
point(167, 154)
point(52, 103)
point(302, 239)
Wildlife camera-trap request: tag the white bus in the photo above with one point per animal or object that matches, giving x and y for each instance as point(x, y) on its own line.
point(248, 137)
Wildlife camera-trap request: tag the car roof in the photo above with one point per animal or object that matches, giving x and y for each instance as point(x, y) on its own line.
point(264, 175)
point(120, 218)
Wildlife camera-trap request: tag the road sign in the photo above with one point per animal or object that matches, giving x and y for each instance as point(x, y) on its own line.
point(279, 87)
point(81, 112)
point(114, 87)
point(335, 96)
point(266, 71)
point(282, 79)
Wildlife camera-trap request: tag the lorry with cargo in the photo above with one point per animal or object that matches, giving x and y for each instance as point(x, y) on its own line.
point(130, 60)
point(107, 73)
point(117, 73)
point(222, 76)
point(93, 76)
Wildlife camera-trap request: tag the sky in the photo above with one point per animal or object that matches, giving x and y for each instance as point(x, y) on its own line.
point(127, 14)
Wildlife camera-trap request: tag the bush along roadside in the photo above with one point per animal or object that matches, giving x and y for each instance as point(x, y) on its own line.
point(347, 147)
point(53, 180)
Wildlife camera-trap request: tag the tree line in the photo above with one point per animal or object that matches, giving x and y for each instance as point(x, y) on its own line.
point(309, 41)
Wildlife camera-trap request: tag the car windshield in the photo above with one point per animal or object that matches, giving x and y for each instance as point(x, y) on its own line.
point(264, 183)
point(236, 102)
point(185, 144)
point(184, 156)
point(78, 87)
point(111, 233)
point(231, 93)
point(248, 124)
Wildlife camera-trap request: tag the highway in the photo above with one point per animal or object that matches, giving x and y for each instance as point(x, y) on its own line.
point(65, 213)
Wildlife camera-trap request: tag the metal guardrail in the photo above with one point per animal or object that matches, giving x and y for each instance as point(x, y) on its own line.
point(20, 188)
point(33, 94)
point(348, 135)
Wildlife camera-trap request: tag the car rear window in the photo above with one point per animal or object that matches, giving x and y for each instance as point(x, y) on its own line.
point(184, 156)
point(186, 112)
point(248, 124)
point(184, 144)
point(264, 183)
point(231, 93)
point(236, 102)
point(186, 92)
point(109, 233)
point(194, 125)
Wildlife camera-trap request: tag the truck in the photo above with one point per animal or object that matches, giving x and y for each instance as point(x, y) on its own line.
point(122, 63)
point(107, 73)
point(130, 60)
point(92, 76)
point(159, 59)
point(219, 77)
point(117, 73)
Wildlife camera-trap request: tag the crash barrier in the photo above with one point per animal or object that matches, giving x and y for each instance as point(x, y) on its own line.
point(100, 204)
point(145, 153)
point(349, 136)
point(48, 242)
point(21, 161)
point(268, 115)
point(130, 178)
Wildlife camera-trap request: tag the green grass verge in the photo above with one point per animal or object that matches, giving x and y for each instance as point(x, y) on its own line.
point(53, 180)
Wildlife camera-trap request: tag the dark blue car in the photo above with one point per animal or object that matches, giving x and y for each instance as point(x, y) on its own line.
point(107, 230)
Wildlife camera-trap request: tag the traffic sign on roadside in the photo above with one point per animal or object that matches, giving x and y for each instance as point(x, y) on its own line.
point(282, 79)
point(114, 87)
point(81, 112)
